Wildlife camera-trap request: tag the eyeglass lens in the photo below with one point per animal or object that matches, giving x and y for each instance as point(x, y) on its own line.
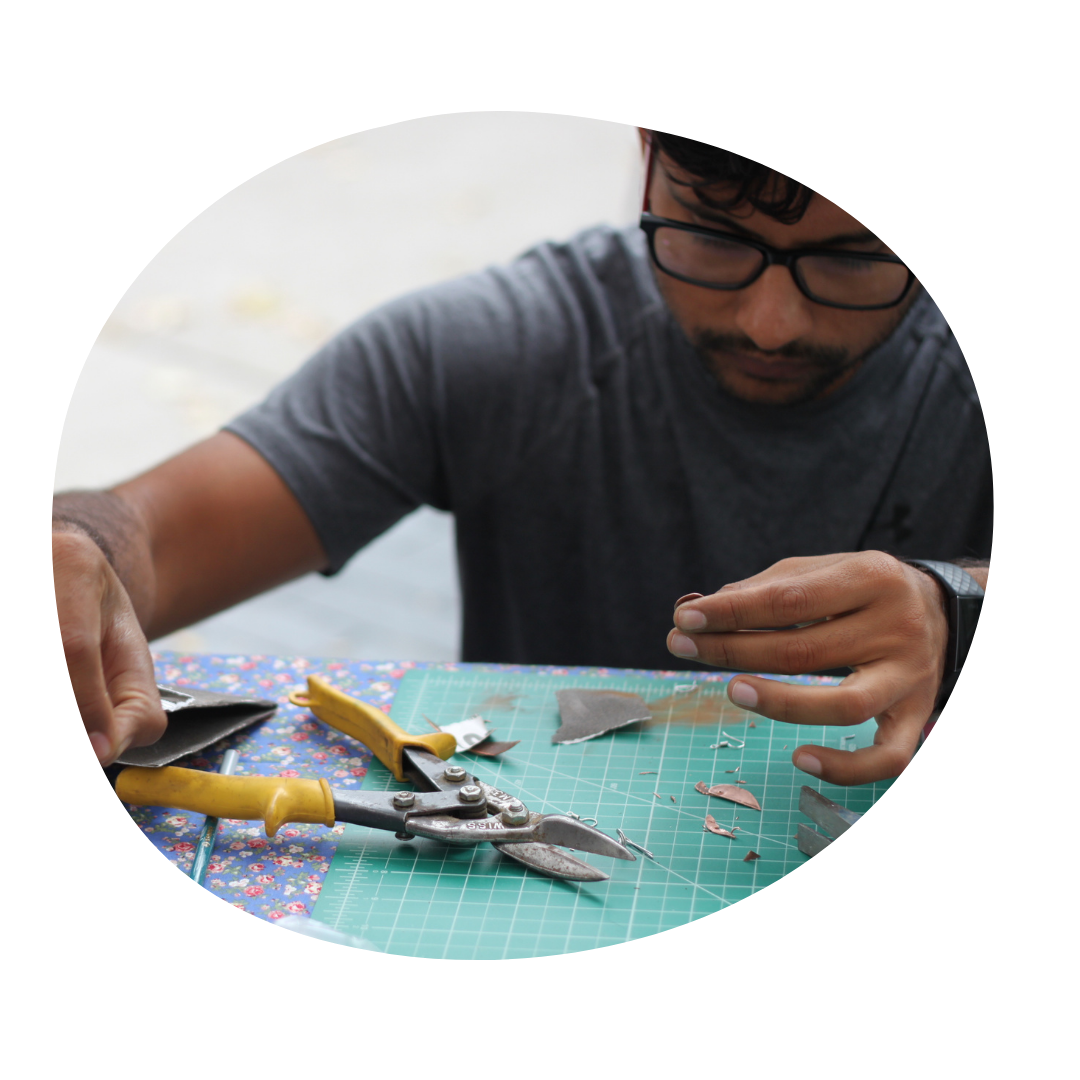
point(725, 263)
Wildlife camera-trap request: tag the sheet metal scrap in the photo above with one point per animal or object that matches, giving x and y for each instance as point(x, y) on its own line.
point(751, 856)
point(473, 736)
point(712, 825)
point(731, 792)
point(585, 714)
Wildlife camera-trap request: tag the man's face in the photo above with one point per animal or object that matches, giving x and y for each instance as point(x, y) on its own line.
point(768, 343)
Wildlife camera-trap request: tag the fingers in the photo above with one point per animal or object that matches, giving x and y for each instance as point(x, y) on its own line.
point(108, 659)
point(843, 642)
point(857, 699)
point(863, 766)
point(862, 696)
point(796, 591)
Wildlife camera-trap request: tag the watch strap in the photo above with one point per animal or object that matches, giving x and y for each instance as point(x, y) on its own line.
point(963, 604)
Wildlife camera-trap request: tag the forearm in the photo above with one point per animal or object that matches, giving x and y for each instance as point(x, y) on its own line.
point(118, 530)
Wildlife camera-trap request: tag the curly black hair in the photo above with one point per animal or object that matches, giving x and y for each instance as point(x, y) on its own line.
point(755, 185)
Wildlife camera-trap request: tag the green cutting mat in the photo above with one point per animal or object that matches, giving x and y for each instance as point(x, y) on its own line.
point(423, 898)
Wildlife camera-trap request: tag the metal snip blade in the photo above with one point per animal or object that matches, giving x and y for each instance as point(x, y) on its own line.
point(551, 861)
point(571, 833)
point(832, 817)
point(811, 841)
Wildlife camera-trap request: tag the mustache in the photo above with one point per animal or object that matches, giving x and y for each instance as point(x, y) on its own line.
point(823, 356)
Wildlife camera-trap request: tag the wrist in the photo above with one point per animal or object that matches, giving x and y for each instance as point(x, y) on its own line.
point(963, 597)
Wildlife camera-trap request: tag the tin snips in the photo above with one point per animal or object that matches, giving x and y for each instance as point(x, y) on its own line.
point(445, 802)
point(833, 818)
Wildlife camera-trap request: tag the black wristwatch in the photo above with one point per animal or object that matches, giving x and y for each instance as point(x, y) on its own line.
point(964, 600)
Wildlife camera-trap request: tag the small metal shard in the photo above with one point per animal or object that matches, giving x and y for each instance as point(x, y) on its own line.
point(585, 714)
point(726, 742)
point(468, 732)
point(785, 746)
point(672, 798)
point(637, 847)
point(651, 772)
point(740, 781)
point(736, 769)
point(752, 724)
point(702, 787)
point(713, 826)
point(734, 793)
point(658, 795)
point(751, 856)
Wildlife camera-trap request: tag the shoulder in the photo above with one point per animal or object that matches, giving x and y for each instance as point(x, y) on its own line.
point(933, 339)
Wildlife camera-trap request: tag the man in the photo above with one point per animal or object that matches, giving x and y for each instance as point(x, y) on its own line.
point(751, 391)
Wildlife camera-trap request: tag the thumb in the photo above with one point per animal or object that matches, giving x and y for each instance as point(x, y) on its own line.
point(846, 768)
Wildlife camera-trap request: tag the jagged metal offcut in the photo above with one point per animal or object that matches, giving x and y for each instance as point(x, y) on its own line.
point(588, 713)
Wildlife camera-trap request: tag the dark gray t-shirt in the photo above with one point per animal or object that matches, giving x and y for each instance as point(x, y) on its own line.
point(594, 466)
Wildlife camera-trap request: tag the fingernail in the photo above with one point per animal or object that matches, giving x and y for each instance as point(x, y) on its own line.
point(102, 746)
point(687, 598)
point(742, 693)
point(808, 763)
point(691, 619)
point(683, 646)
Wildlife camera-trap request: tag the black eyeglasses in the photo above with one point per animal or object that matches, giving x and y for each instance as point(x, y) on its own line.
point(713, 259)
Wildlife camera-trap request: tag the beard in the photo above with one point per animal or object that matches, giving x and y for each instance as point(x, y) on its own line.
point(827, 366)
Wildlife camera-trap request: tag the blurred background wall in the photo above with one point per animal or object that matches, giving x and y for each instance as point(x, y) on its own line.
point(256, 283)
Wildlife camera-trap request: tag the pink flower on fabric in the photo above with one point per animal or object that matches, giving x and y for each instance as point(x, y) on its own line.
point(358, 772)
point(309, 727)
point(255, 867)
point(299, 736)
point(253, 890)
point(292, 832)
point(339, 750)
point(265, 879)
point(183, 846)
point(314, 888)
point(340, 772)
point(289, 774)
point(297, 907)
point(276, 915)
point(320, 756)
point(256, 843)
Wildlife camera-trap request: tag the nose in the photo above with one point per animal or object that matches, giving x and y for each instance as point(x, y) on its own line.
point(772, 312)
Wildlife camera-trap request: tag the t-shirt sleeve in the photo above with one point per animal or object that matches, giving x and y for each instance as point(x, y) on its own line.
point(436, 398)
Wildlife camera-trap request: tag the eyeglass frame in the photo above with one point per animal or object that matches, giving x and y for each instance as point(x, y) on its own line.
point(650, 222)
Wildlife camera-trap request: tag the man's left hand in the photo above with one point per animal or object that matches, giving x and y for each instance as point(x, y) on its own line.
point(865, 610)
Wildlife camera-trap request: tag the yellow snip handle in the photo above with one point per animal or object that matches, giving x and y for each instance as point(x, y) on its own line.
point(272, 799)
point(370, 725)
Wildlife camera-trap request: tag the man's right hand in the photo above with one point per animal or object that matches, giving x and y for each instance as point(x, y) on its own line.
point(107, 654)
point(195, 535)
